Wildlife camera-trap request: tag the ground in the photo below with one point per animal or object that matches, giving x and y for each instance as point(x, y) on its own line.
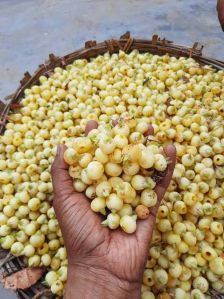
point(31, 29)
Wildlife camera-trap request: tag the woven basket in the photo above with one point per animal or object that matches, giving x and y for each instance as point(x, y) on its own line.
point(156, 45)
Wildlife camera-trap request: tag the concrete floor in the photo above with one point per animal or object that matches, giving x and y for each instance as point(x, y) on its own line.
point(31, 29)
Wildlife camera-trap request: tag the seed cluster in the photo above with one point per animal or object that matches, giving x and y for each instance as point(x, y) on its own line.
point(110, 165)
point(185, 104)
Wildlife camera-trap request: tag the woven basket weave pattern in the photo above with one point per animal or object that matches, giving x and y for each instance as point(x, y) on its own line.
point(126, 43)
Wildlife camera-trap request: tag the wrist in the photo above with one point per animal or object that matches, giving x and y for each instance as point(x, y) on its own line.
point(86, 282)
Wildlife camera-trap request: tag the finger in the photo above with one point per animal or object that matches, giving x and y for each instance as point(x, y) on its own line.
point(145, 227)
point(114, 122)
point(144, 230)
point(161, 187)
point(62, 182)
point(92, 124)
point(150, 131)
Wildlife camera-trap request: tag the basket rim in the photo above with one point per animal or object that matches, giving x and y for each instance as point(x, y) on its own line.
point(126, 43)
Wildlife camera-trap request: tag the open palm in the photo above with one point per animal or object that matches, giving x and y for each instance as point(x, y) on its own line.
point(89, 245)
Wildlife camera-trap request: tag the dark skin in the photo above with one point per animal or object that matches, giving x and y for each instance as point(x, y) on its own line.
point(220, 11)
point(101, 263)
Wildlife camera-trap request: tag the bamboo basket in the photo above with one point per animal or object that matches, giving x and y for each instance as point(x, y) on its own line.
point(10, 264)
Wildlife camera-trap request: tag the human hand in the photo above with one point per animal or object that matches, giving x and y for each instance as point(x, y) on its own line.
point(101, 263)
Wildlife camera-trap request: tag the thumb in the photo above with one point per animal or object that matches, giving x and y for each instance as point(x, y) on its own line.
point(62, 182)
